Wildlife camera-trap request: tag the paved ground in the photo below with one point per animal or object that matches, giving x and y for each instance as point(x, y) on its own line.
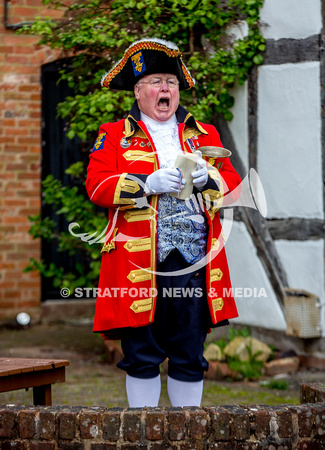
point(92, 382)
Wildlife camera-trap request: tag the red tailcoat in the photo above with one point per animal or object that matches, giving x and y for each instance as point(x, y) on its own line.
point(124, 155)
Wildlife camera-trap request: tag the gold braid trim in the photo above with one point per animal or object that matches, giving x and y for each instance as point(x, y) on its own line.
point(135, 48)
point(187, 74)
point(217, 304)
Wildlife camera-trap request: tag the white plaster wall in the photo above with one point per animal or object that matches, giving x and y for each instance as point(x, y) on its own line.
point(247, 271)
point(296, 19)
point(303, 262)
point(289, 139)
point(239, 124)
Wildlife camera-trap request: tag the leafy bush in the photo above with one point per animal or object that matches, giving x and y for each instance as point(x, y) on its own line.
point(74, 206)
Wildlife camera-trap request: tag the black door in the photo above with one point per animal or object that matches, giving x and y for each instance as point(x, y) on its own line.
point(58, 153)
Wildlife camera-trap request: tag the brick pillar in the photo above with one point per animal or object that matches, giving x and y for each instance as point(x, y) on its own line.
point(20, 156)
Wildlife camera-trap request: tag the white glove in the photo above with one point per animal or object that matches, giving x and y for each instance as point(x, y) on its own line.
point(200, 176)
point(164, 181)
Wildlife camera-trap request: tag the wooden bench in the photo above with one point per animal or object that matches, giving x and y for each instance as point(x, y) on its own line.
point(39, 374)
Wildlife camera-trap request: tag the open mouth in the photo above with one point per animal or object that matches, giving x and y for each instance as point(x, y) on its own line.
point(163, 103)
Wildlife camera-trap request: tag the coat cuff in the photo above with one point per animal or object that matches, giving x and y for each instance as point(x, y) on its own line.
point(129, 188)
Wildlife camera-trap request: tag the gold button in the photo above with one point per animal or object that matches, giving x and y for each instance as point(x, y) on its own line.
point(135, 306)
point(128, 155)
point(133, 276)
point(122, 185)
point(129, 245)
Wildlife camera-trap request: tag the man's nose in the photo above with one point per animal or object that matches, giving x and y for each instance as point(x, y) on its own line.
point(164, 86)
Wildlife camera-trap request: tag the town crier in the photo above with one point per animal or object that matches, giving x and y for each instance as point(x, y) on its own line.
point(164, 280)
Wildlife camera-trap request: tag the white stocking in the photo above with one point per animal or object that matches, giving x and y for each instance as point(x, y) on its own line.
point(143, 392)
point(184, 393)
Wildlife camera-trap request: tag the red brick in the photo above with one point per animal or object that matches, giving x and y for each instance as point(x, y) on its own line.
point(14, 295)
point(14, 274)
point(28, 176)
point(161, 446)
point(36, 204)
point(16, 167)
point(155, 423)
point(27, 69)
point(111, 424)
point(5, 305)
point(7, 265)
point(177, 424)
point(14, 39)
point(16, 148)
point(31, 303)
point(7, 140)
point(103, 447)
point(197, 446)
point(132, 425)
point(26, 424)
point(6, 229)
point(198, 424)
point(230, 446)
point(262, 423)
point(21, 13)
point(36, 3)
point(29, 88)
point(29, 123)
point(306, 419)
point(284, 421)
point(89, 425)
point(34, 97)
point(35, 114)
point(220, 426)
point(240, 423)
point(67, 425)
point(255, 446)
point(7, 423)
point(14, 202)
point(310, 445)
point(9, 122)
point(16, 445)
point(15, 219)
point(16, 59)
point(42, 446)
point(6, 48)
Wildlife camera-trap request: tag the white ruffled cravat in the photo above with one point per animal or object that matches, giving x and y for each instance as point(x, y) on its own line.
point(165, 138)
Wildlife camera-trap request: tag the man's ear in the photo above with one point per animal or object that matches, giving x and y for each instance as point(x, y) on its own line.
point(137, 91)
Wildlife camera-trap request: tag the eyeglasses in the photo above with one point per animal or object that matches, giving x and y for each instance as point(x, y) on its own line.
point(158, 82)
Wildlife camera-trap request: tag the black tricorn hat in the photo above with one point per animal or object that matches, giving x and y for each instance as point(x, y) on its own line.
point(146, 57)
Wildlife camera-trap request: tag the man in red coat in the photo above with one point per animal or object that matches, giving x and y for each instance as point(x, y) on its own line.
point(164, 278)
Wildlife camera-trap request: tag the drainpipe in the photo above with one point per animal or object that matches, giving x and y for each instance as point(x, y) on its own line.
point(5, 19)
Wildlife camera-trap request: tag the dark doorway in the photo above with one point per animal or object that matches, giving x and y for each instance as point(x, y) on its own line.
point(58, 153)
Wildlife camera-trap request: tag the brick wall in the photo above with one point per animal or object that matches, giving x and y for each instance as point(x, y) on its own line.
point(215, 427)
point(20, 156)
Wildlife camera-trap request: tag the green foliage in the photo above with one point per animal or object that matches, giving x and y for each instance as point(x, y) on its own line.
point(277, 384)
point(251, 369)
point(95, 33)
point(71, 203)
point(233, 332)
